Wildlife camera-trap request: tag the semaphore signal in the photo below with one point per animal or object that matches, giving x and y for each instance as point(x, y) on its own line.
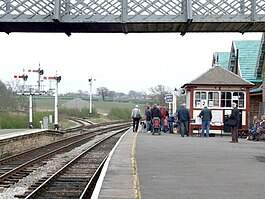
point(31, 93)
point(57, 79)
point(24, 77)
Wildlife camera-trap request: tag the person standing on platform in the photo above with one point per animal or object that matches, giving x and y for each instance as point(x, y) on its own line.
point(148, 118)
point(136, 116)
point(183, 120)
point(171, 121)
point(234, 129)
point(206, 116)
point(155, 112)
point(163, 110)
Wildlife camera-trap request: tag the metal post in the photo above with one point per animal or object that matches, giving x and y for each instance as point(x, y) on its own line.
point(7, 5)
point(39, 79)
point(253, 10)
point(24, 82)
point(90, 100)
point(124, 13)
point(175, 101)
point(56, 126)
point(57, 8)
point(189, 10)
point(30, 110)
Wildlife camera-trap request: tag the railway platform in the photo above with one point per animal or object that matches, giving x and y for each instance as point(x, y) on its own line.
point(12, 133)
point(169, 167)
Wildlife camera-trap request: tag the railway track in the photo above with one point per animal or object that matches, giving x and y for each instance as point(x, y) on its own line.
point(78, 177)
point(16, 167)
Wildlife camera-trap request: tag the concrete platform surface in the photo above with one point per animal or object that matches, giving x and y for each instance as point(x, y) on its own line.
point(117, 180)
point(10, 133)
point(172, 167)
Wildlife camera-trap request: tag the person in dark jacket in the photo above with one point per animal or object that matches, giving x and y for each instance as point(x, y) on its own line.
point(206, 116)
point(155, 112)
point(183, 120)
point(234, 129)
point(171, 121)
point(148, 118)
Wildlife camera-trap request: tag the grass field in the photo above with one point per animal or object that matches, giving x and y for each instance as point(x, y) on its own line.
point(102, 107)
point(44, 106)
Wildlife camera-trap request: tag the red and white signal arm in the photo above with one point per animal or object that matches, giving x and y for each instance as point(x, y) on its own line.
point(24, 77)
point(58, 78)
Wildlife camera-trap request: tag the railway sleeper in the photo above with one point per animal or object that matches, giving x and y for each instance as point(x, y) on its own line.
point(5, 186)
point(25, 172)
point(68, 184)
point(62, 193)
point(72, 179)
point(11, 180)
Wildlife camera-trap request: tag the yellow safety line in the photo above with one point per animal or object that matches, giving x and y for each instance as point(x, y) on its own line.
point(136, 185)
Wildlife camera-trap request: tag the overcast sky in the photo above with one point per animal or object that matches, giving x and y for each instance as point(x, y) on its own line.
point(117, 61)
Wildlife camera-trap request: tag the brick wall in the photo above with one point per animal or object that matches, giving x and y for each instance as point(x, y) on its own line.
point(26, 142)
point(254, 106)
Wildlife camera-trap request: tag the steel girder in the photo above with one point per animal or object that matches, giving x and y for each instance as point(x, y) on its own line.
point(137, 13)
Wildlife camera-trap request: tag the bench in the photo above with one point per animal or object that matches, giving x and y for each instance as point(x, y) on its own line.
point(196, 126)
point(260, 132)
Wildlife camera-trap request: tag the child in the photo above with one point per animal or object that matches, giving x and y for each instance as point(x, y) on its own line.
point(171, 121)
point(165, 125)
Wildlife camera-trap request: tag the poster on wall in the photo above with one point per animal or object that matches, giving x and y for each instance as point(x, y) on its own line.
point(217, 116)
point(203, 103)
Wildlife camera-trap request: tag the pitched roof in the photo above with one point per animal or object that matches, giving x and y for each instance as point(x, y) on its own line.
point(248, 51)
point(222, 58)
point(219, 76)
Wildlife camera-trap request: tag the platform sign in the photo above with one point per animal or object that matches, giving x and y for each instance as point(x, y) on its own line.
point(168, 98)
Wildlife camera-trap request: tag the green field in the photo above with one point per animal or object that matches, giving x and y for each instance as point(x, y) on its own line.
point(44, 106)
point(102, 107)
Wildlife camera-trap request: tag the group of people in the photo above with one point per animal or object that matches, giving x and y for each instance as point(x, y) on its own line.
point(156, 112)
point(258, 128)
point(182, 117)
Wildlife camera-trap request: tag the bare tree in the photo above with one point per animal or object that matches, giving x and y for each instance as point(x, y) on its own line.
point(158, 93)
point(112, 94)
point(13, 85)
point(133, 94)
point(103, 91)
point(7, 99)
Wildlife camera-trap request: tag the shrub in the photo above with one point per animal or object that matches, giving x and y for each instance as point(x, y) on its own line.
point(119, 114)
point(8, 121)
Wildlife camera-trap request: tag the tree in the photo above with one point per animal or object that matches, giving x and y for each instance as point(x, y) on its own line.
point(103, 91)
point(7, 99)
point(112, 94)
point(13, 85)
point(158, 93)
point(121, 95)
point(132, 94)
